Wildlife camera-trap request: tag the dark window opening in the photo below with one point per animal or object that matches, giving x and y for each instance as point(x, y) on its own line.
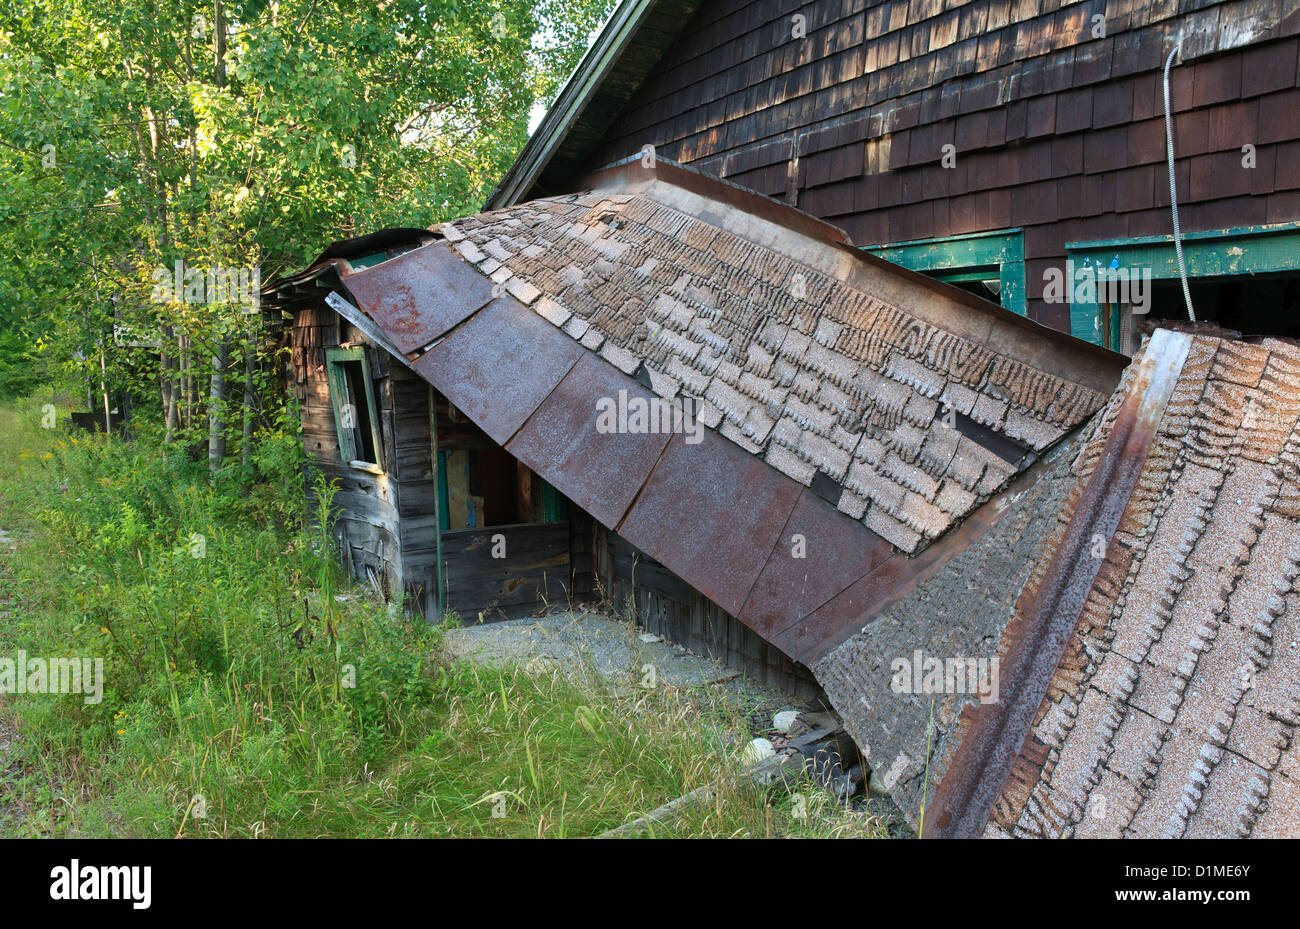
point(481, 485)
point(1265, 304)
point(353, 399)
point(981, 283)
point(363, 435)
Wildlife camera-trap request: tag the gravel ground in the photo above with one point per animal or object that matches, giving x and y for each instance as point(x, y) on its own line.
point(580, 642)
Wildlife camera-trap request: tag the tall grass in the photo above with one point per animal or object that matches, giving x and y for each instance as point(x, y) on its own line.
point(250, 691)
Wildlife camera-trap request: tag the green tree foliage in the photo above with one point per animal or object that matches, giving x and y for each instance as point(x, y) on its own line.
point(235, 134)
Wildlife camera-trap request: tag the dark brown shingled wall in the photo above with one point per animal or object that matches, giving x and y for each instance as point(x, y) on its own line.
point(1055, 132)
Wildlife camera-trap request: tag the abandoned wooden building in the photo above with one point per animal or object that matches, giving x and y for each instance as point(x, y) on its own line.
point(758, 334)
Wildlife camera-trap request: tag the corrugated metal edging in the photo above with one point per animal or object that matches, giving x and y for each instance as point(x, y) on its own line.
point(1046, 617)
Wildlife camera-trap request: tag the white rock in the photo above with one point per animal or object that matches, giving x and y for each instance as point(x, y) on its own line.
point(784, 720)
point(648, 637)
point(758, 750)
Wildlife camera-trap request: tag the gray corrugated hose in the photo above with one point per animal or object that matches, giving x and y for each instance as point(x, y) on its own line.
point(1173, 192)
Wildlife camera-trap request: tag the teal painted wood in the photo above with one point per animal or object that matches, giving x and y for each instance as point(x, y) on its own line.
point(1221, 253)
point(1213, 253)
point(339, 391)
point(554, 506)
point(368, 261)
point(969, 257)
point(444, 502)
point(1085, 322)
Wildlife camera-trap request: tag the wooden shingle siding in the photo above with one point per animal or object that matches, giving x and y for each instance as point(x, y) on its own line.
point(1055, 131)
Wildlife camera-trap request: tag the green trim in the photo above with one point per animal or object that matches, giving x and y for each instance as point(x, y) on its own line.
point(977, 274)
point(1207, 254)
point(368, 261)
point(339, 391)
point(444, 499)
point(978, 256)
point(1236, 232)
point(554, 507)
point(1222, 253)
point(440, 506)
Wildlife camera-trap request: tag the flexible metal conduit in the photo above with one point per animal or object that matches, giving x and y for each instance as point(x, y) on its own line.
point(1173, 192)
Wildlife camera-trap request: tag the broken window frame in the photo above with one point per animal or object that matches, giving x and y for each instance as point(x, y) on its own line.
point(1215, 253)
point(341, 396)
point(959, 258)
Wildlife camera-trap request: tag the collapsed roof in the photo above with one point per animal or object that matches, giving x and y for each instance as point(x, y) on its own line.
point(849, 402)
point(1142, 599)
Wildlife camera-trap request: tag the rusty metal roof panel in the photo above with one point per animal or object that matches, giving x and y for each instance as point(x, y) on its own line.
point(820, 552)
point(499, 365)
point(599, 471)
point(711, 513)
point(420, 295)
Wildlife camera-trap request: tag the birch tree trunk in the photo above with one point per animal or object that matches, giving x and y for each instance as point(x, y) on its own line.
point(250, 367)
point(217, 408)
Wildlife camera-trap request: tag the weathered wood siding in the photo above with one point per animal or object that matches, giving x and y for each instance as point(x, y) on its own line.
point(532, 575)
point(666, 605)
point(387, 523)
point(1055, 131)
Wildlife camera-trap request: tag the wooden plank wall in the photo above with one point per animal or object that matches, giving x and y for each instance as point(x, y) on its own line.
point(386, 522)
point(533, 575)
point(1055, 131)
point(666, 605)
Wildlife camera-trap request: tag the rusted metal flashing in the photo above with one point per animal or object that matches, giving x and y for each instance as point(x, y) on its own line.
point(600, 472)
point(1047, 616)
point(712, 513)
point(505, 337)
point(819, 553)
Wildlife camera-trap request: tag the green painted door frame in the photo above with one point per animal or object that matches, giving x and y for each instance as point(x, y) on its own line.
point(976, 257)
point(1217, 253)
